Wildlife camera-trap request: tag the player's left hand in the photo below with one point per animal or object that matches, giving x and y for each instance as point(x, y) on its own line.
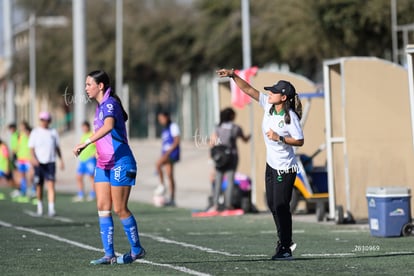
point(78, 149)
point(271, 135)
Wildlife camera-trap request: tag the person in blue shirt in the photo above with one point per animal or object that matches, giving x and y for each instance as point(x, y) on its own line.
point(115, 171)
point(170, 154)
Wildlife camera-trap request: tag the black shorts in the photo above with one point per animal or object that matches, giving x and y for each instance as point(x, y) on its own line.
point(45, 172)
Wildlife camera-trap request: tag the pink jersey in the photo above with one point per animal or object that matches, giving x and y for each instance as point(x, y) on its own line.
point(113, 147)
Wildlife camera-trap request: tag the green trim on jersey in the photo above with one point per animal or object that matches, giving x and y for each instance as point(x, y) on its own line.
point(281, 113)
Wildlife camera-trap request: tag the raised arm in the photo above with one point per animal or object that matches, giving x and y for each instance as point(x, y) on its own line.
point(241, 83)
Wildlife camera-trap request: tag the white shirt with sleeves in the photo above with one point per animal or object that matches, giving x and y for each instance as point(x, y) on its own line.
point(175, 130)
point(44, 141)
point(279, 156)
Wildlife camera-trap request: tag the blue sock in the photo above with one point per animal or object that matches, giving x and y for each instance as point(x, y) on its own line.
point(106, 225)
point(80, 194)
point(131, 231)
point(23, 186)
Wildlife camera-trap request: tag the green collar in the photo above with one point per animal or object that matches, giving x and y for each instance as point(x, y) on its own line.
point(281, 113)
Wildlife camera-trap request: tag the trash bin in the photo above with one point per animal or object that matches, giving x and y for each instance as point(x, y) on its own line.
point(388, 210)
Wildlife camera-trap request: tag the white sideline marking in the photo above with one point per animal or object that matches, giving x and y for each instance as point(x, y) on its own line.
point(348, 231)
point(193, 246)
point(88, 247)
point(208, 233)
point(328, 255)
point(53, 237)
point(352, 254)
point(179, 268)
point(400, 253)
point(201, 248)
point(33, 214)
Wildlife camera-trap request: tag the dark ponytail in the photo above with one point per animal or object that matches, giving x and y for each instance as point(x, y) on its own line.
point(295, 104)
point(114, 95)
point(102, 77)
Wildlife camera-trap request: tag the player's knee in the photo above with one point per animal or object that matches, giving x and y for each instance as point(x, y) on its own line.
point(121, 211)
point(103, 206)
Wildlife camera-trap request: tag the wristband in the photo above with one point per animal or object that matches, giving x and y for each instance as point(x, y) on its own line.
point(232, 74)
point(88, 141)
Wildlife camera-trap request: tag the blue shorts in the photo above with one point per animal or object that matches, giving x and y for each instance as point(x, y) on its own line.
point(23, 166)
point(173, 160)
point(87, 166)
point(119, 175)
point(44, 172)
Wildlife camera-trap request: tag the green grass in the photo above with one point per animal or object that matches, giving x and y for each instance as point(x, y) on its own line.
point(178, 244)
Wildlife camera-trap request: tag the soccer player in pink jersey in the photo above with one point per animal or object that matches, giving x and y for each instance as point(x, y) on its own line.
point(115, 171)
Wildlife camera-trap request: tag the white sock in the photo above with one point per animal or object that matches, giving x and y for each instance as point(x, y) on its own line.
point(39, 207)
point(51, 207)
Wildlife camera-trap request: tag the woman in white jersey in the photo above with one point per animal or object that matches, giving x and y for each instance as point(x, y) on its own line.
point(282, 131)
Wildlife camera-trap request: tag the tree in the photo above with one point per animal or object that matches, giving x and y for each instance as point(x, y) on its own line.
point(53, 55)
point(165, 38)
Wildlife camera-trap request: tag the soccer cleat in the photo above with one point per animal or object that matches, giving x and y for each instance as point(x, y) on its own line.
point(170, 203)
point(104, 261)
point(77, 198)
point(160, 190)
point(31, 193)
point(90, 198)
point(292, 246)
point(128, 258)
point(15, 193)
point(283, 253)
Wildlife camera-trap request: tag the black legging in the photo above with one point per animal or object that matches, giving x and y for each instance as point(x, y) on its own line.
point(279, 186)
point(230, 171)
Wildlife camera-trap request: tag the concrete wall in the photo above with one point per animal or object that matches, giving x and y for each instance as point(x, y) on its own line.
point(370, 126)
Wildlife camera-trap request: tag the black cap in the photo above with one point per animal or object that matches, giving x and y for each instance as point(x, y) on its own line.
point(283, 87)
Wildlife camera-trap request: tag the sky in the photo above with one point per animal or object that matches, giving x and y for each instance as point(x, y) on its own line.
point(17, 17)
